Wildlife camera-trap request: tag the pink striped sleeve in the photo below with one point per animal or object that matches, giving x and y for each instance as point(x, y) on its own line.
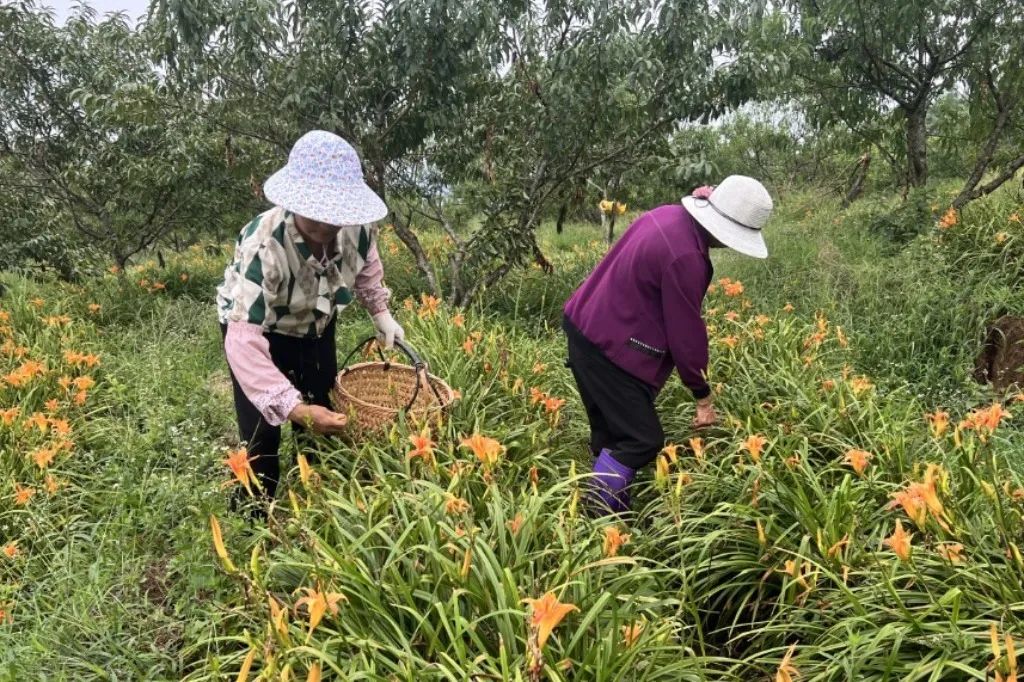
point(369, 285)
point(262, 382)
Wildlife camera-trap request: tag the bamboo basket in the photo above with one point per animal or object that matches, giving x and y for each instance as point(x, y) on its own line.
point(372, 394)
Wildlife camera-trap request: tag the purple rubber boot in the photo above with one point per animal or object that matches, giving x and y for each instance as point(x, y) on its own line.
point(610, 486)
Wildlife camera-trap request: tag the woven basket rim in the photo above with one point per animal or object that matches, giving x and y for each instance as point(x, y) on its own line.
point(446, 391)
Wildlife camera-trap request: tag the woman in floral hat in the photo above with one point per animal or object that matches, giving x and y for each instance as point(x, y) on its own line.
point(638, 316)
point(296, 267)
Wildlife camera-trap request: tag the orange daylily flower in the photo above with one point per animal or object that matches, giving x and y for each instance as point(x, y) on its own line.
point(858, 460)
point(38, 420)
point(9, 415)
point(787, 672)
point(218, 544)
point(10, 550)
point(754, 444)
point(838, 546)
point(795, 569)
point(985, 421)
point(515, 524)
point(80, 398)
point(43, 457)
point(84, 383)
point(536, 395)
point(732, 316)
point(305, 470)
point(468, 345)
point(539, 367)
point(81, 359)
point(37, 302)
point(938, 422)
point(861, 385)
point(545, 615)
point(455, 505)
point(913, 504)
point(459, 320)
point(52, 405)
point(899, 542)
point(52, 484)
point(22, 495)
point(318, 604)
point(183, 277)
point(61, 427)
point(238, 462)
point(949, 219)
point(429, 305)
point(278, 616)
point(631, 633)
point(487, 450)
point(732, 289)
point(552, 404)
point(422, 446)
point(614, 539)
point(951, 552)
point(671, 451)
point(730, 341)
point(243, 672)
point(697, 445)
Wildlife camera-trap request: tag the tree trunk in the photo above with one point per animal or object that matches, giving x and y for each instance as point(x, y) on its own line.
point(860, 175)
point(917, 146)
point(561, 217)
point(610, 236)
point(408, 237)
point(971, 190)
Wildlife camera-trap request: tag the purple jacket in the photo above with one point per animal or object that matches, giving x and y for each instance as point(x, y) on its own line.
point(641, 305)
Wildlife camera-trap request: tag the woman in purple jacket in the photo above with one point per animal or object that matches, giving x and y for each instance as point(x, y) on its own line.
point(639, 314)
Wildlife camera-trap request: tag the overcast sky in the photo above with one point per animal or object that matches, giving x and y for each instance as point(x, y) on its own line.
point(133, 8)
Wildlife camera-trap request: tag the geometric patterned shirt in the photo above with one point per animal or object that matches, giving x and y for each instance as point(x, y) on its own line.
point(274, 280)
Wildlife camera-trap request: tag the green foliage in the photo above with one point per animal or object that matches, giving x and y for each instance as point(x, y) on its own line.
point(100, 588)
point(900, 221)
point(95, 148)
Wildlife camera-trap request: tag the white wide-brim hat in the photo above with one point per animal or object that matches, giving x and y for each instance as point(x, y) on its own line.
point(323, 181)
point(735, 214)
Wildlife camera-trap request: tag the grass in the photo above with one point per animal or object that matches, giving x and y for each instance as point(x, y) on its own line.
point(737, 564)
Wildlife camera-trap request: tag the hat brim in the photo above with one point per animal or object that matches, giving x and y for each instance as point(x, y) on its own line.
point(747, 241)
point(325, 202)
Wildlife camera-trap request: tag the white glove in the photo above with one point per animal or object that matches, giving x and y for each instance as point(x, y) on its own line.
point(387, 329)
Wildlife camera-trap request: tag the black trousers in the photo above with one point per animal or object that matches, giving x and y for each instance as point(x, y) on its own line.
point(311, 364)
point(619, 406)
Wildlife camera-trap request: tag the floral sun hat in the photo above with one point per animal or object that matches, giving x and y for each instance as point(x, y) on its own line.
point(323, 181)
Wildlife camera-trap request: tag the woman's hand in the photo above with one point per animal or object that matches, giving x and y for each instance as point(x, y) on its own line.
point(318, 418)
point(387, 329)
point(706, 415)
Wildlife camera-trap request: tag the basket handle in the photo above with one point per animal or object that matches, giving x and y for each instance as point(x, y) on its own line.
point(419, 365)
